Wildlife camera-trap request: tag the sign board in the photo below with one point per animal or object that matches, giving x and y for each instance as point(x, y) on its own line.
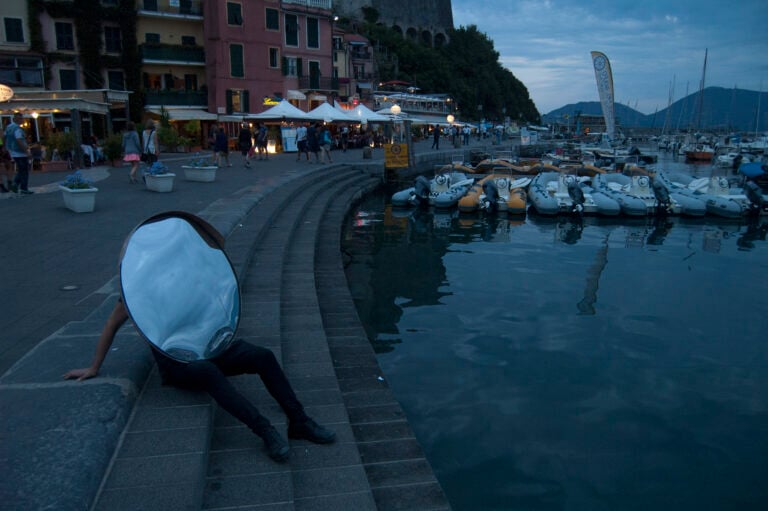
point(395, 156)
point(270, 101)
point(6, 93)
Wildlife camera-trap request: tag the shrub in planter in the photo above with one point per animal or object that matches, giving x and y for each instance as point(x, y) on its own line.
point(113, 148)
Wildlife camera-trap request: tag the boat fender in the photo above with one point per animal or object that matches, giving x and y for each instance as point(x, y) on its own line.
point(441, 179)
point(502, 183)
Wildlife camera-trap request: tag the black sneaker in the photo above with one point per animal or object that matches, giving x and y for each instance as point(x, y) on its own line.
point(26, 192)
point(312, 431)
point(276, 446)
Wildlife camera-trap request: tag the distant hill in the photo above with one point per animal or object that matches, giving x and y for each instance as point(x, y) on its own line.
point(722, 109)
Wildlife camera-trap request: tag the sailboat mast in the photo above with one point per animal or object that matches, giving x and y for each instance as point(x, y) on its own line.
point(700, 105)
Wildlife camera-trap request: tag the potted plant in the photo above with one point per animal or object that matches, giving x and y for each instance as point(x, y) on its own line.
point(60, 150)
point(113, 149)
point(158, 179)
point(201, 169)
point(79, 193)
point(192, 130)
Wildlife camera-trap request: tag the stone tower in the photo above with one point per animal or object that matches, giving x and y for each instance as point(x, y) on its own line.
point(427, 21)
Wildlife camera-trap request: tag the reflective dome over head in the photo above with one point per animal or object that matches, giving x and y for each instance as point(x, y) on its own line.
point(179, 287)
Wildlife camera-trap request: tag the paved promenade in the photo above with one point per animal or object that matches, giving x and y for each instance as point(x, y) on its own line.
point(123, 441)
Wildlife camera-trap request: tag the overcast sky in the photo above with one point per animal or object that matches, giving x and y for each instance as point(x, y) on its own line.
point(546, 44)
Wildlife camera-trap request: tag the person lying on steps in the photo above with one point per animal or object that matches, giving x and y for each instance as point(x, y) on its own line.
point(211, 376)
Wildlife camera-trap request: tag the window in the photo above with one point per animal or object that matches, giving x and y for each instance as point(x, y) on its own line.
point(152, 38)
point(188, 40)
point(150, 5)
point(359, 71)
point(190, 82)
point(234, 13)
point(26, 72)
point(112, 40)
point(237, 101)
point(116, 80)
point(291, 30)
point(236, 60)
point(67, 79)
point(313, 33)
point(291, 66)
point(65, 37)
point(273, 19)
point(314, 74)
point(14, 33)
point(274, 57)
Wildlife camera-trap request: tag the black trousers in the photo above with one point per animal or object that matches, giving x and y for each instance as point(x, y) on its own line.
point(241, 358)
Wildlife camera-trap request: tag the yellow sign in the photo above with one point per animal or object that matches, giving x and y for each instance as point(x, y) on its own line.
point(270, 101)
point(395, 156)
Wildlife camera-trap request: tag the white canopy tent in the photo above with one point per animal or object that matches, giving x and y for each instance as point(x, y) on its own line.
point(328, 113)
point(363, 114)
point(283, 110)
point(402, 116)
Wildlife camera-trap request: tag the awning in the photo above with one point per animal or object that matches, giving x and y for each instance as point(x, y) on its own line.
point(295, 94)
point(318, 97)
point(185, 114)
point(53, 105)
point(365, 85)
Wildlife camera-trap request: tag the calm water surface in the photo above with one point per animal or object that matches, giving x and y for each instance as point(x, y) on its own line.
point(549, 364)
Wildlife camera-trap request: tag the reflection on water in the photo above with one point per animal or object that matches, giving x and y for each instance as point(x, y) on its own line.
point(552, 363)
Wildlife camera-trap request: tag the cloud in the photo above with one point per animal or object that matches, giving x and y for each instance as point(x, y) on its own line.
point(547, 44)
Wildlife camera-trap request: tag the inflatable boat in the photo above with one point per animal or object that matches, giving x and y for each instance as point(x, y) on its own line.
point(553, 193)
point(497, 192)
point(636, 195)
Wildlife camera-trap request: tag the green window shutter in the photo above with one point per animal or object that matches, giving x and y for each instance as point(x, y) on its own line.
point(229, 102)
point(285, 66)
point(299, 68)
point(244, 101)
point(236, 60)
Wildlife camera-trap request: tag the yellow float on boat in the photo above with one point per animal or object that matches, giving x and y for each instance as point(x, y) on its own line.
point(510, 193)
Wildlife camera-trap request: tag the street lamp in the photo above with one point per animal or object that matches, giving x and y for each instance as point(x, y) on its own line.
point(35, 115)
point(450, 118)
point(395, 110)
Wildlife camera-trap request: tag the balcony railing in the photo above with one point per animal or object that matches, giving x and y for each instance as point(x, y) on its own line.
point(318, 83)
point(360, 55)
point(193, 54)
point(317, 4)
point(185, 7)
point(176, 98)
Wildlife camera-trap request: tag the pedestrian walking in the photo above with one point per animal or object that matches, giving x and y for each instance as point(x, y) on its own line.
point(131, 150)
point(436, 137)
point(245, 141)
point(301, 142)
point(313, 144)
point(325, 144)
point(261, 141)
point(151, 145)
point(6, 168)
point(222, 148)
point(344, 138)
point(15, 141)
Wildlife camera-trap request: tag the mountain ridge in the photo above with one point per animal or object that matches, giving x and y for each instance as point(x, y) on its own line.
point(722, 109)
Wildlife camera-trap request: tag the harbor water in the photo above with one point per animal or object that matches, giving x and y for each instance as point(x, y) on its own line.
point(551, 363)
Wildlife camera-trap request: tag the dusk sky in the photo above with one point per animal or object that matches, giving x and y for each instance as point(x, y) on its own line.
point(546, 44)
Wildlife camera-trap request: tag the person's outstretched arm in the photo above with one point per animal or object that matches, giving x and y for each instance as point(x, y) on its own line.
point(117, 317)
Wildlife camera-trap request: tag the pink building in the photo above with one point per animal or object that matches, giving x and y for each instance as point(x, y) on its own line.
point(259, 51)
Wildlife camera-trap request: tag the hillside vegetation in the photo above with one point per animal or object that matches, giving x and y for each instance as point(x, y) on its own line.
point(467, 68)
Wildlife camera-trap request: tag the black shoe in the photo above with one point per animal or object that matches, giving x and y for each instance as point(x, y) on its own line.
point(3, 189)
point(26, 192)
point(312, 431)
point(276, 446)
point(13, 188)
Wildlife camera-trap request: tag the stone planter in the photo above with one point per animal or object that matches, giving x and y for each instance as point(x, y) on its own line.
point(202, 174)
point(160, 182)
point(79, 200)
point(54, 166)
